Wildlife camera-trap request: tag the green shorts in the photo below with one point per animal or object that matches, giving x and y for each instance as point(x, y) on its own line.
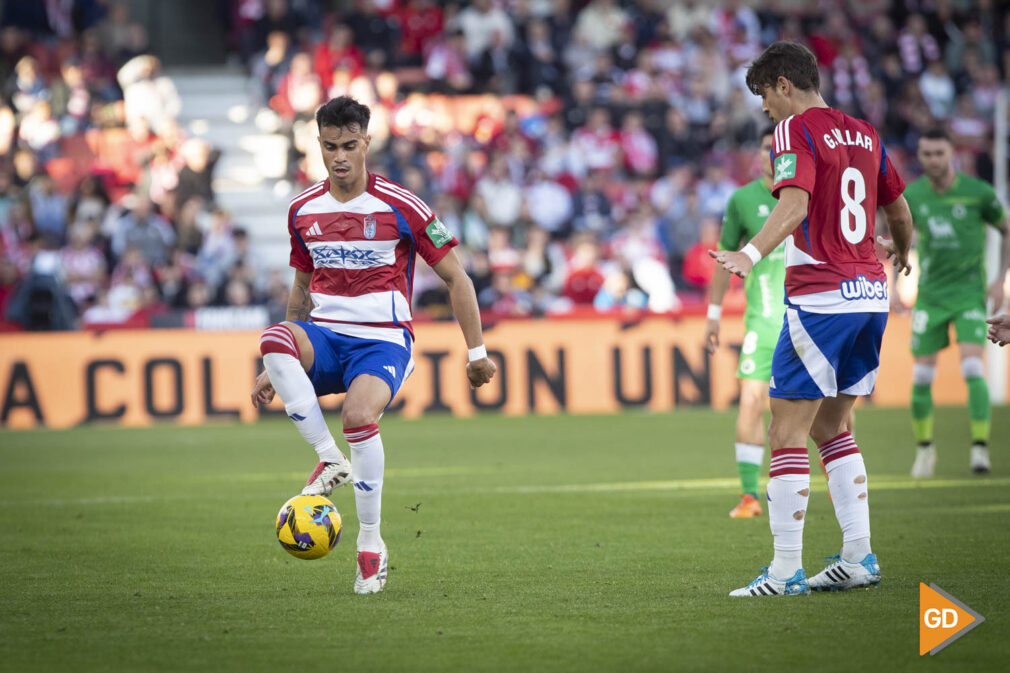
point(757, 349)
point(931, 331)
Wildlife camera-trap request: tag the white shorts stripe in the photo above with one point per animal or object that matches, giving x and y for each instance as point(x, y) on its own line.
point(406, 195)
point(817, 366)
point(865, 385)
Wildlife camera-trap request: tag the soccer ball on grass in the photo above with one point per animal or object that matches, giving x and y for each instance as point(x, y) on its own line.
point(308, 526)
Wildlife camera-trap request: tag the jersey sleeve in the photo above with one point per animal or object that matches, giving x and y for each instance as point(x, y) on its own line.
point(732, 226)
point(793, 160)
point(300, 257)
point(889, 184)
point(992, 209)
point(433, 239)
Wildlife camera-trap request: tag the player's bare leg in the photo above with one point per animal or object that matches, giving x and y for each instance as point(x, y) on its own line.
point(973, 371)
point(923, 373)
point(750, 445)
point(288, 355)
point(856, 565)
point(366, 399)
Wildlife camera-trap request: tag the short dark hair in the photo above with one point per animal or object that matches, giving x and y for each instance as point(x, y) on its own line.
point(784, 59)
point(342, 112)
point(935, 133)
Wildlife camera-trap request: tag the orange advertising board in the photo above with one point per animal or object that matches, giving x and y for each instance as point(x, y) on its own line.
point(137, 378)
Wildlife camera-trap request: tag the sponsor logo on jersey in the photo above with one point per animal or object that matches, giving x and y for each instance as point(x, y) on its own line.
point(347, 258)
point(785, 167)
point(369, 226)
point(959, 211)
point(940, 228)
point(862, 288)
point(763, 210)
point(438, 233)
point(314, 230)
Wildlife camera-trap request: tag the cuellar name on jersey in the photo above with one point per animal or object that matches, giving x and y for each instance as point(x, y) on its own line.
point(845, 138)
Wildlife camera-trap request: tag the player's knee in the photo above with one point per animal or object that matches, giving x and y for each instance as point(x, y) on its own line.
point(923, 375)
point(821, 430)
point(279, 339)
point(355, 416)
point(972, 368)
point(751, 403)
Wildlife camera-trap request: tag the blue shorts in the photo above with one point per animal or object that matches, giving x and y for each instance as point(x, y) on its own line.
point(824, 354)
point(341, 358)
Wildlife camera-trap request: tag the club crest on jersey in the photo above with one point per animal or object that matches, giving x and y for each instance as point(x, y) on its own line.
point(863, 288)
point(369, 226)
point(785, 167)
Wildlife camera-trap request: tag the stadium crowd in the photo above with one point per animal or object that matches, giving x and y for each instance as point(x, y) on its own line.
point(582, 152)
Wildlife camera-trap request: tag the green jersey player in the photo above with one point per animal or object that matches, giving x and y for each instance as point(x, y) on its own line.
point(951, 211)
point(746, 212)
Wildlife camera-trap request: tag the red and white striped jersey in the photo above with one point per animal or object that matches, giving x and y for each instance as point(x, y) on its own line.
point(831, 263)
point(361, 255)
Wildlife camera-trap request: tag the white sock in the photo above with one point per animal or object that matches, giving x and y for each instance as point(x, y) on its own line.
point(848, 485)
point(368, 463)
point(749, 453)
point(788, 493)
point(301, 404)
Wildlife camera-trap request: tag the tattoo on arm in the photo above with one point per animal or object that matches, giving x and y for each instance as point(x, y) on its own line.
point(299, 304)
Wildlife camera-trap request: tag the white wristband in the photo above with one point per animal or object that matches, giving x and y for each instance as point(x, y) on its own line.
point(714, 311)
point(478, 353)
point(752, 252)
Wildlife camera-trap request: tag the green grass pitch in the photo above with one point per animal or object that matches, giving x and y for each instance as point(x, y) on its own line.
point(516, 544)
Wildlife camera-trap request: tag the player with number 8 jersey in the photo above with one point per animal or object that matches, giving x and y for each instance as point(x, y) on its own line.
point(831, 263)
point(830, 172)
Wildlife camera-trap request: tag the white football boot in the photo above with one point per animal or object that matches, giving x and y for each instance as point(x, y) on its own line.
point(766, 585)
point(328, 476)
point(980, 459)
point(925, 462)
point(840, 574)
point(372, 568)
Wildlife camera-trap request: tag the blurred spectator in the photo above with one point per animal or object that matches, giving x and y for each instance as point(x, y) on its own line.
point(143, 230)
point(197, 174)
point(447, 64)
point(49, 209)
point(300, 91)
point(938, 89)
point(502, 198)
point(83, 265)
point(482, 24)
point(916, 45)
point(147, 94)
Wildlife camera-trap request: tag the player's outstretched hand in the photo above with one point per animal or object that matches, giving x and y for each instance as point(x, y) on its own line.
point(898, 259)
point(711, 336)
point(263, 390)
point(480, 372)
point(999, 329)
point(734, 262)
